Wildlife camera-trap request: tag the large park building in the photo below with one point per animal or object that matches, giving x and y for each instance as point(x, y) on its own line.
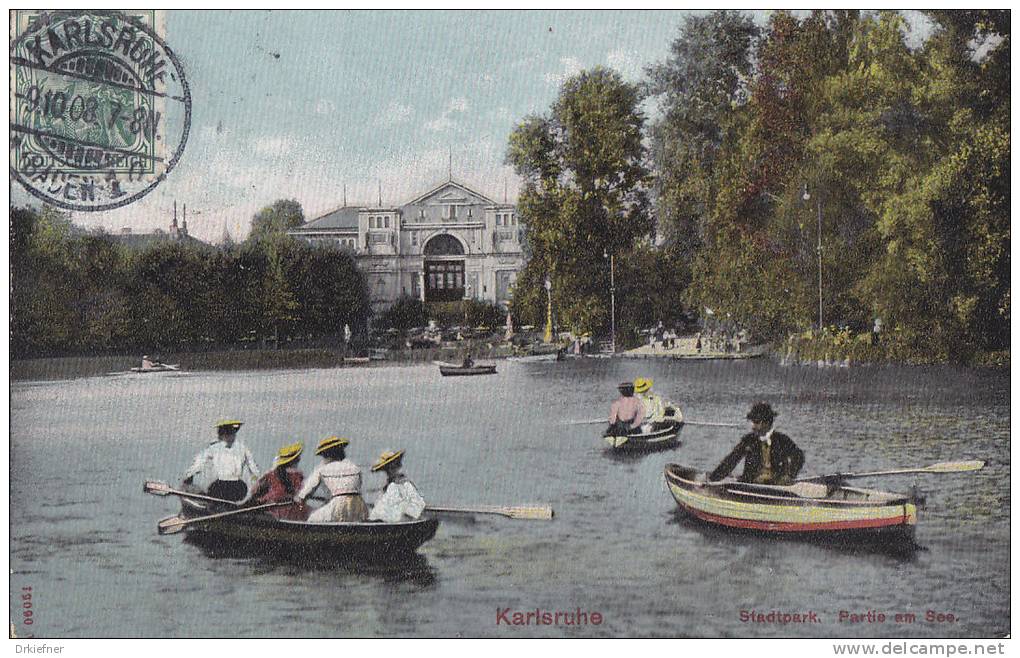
point(448, 244)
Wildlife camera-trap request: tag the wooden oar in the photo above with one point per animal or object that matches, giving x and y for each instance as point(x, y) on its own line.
point(158, 488)
point(699, 423)
point(543, 513)
point(175, 524)
point(940, 467)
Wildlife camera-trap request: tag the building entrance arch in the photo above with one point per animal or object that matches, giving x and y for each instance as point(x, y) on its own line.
point(443, 264)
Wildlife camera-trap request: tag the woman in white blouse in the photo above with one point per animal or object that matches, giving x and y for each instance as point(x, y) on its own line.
point(342, 478)
point(400, 499)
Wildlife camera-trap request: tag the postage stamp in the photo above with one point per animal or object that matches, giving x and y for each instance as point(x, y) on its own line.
point(100, 106)
point(674, 324)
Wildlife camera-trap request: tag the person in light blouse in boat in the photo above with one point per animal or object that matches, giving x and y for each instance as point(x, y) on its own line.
point(228, 459)
point(400, 500)
point(342, 478)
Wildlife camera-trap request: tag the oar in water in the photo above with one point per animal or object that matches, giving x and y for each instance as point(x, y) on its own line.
point(158, 488)
point(699, 423)
point(940, 467)
point(536, 512)
point(175, 524)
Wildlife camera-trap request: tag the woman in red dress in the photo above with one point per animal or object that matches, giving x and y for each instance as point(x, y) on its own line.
point(281, 483)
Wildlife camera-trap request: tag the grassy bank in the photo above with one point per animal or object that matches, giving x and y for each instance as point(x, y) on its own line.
point(844, 346)
point(89, 366)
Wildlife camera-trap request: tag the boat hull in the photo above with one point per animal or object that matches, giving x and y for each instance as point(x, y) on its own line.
point(263, 534)
point(847, 514)
point(458, 371)
point(663, 439)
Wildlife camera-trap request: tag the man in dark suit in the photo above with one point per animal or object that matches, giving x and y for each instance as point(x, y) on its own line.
point(770, 457)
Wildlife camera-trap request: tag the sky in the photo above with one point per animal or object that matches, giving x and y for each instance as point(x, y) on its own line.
point(300, 104)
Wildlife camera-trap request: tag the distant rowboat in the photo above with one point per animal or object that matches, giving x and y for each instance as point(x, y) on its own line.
point(162, 367)
point(451, 370)
point(660, 439)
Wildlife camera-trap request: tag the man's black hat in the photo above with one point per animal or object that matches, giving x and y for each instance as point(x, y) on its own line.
point(624, 386)
point(761, 411)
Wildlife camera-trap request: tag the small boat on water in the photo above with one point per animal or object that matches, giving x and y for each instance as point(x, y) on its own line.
point(667, 437)
point(804, 509)
point(263, 534)
point(451, 370)
point(159, 367)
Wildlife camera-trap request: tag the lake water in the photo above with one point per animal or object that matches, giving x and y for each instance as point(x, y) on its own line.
point(83, 535)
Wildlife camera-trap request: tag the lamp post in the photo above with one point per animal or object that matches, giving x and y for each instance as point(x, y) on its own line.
point(612, 298)
point(818, 201)
point(548, 311)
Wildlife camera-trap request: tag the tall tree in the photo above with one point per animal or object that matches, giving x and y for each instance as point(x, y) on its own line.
point(585, 194)
point(697, 88)
point(283, 215)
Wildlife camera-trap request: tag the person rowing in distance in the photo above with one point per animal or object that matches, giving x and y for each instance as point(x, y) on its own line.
point(770, 457)
point(400, 499)
point(227, 458)
point(627, 412)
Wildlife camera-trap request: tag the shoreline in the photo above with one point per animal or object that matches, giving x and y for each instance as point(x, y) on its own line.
point(79, 366)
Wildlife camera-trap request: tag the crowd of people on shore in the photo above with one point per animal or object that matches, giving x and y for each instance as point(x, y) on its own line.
point(229, 462)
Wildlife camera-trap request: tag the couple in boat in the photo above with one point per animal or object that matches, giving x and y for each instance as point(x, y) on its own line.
point(640, 411)
point(228, 458)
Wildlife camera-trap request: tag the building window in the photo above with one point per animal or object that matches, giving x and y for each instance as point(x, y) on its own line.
point(421, 213)
point(414, 239)
point(386, 222)
point(499, 219)
point(453, 212)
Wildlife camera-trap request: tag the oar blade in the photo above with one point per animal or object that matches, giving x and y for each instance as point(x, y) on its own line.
point(156, 488)
point(171, 525)
point(955, 467)
point(539, 513)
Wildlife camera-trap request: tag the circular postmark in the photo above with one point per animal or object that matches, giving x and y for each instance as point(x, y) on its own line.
point(100, 107)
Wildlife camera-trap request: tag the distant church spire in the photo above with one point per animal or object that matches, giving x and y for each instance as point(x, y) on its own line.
point(345, 195)
point(504, 189)
point(449, 169)
point(380, 194)
point(173, 225)
point(184, 224)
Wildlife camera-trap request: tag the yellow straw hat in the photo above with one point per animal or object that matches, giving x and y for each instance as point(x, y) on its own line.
point(288, 454)
point(387, 457)
point(331, 442)
point(232, 424)
point(642, 384)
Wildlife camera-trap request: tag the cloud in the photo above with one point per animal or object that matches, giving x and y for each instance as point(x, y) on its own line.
point(443, 123)
point(569, 66)
point(395, 113)
point(273, 145)
point(627, 62)
point(325, 106)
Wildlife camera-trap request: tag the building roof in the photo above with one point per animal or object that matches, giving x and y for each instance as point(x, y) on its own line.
point(451, 183)
point(346, 217)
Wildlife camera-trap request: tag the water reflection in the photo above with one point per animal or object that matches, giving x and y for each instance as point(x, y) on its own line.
point(391, 567)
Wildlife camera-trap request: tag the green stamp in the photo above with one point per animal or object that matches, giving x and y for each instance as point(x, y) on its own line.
point(100, 106)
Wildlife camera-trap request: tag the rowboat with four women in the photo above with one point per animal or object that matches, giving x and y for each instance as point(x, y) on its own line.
point(259, 532)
